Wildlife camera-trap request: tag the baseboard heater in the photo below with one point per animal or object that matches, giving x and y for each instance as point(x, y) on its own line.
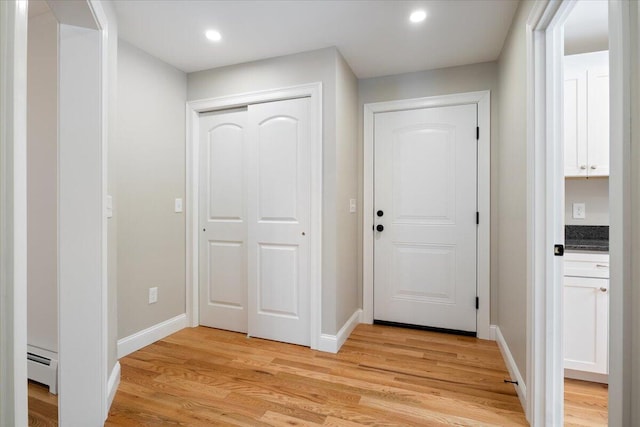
point(42, 367)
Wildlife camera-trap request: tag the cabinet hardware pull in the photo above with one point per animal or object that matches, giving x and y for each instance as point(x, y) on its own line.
point(603, 289)
point(602, 266)
point(583, 167)
point(594, 167)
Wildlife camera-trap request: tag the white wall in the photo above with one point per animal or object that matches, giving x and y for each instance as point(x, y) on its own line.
point(42, 182)
point(149, 169)
point(594, 193)
point(512, 188)
point(308, 67)
point(468, 78)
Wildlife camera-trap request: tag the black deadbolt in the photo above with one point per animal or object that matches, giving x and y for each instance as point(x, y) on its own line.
point(379, 227)
point(380, 213)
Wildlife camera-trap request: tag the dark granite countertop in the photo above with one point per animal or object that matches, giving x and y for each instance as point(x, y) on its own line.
point(586, 238)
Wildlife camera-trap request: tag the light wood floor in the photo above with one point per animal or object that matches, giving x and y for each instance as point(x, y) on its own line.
point(382, 376)
point(585, 403)
point(43, 406)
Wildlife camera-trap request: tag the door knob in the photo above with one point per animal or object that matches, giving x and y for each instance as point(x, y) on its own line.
point(379, 227)
point(379, 213)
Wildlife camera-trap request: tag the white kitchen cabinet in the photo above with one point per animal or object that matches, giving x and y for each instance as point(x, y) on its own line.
point(586, 114)
point(586, 313)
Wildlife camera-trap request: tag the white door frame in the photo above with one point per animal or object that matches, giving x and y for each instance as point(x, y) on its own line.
point(193, 109)
point(545, 171)
point(13, 213)
point(82, 344)
point(483, 101)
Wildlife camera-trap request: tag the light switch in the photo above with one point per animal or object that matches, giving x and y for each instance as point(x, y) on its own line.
point(109, 207)
point(178, 206)
point(579, 211)
point(352, 205)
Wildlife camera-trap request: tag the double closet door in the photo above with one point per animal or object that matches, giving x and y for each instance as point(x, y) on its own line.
point(254, 220)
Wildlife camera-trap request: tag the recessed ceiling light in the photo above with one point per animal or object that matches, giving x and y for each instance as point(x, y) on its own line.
point(213, 35)
point(418, 16)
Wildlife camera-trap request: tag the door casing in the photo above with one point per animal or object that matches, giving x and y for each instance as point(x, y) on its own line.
point(193, 109)
point(483, 101)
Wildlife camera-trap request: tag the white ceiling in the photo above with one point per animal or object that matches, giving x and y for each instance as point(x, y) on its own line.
point(375, 37)
point(587, 27)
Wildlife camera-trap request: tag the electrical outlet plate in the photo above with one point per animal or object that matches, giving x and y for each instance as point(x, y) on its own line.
point(579, 211)
point(352, 205)
point(153, 295)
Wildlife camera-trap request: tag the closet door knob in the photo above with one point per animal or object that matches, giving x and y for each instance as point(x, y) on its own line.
point(603, 289)
point(594, 167)
point(379, 227)
point(583, 167)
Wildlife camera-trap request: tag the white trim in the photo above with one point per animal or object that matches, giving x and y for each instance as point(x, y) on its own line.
point(112, 385)
point(193, 108)
point(483, 100)
point(512, 367)
point(586, 376)
point(13, 213)
point(135, 342)
point(333, 343)
point(624, 382)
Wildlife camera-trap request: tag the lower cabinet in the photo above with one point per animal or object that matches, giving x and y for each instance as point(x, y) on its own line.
point(586, 324)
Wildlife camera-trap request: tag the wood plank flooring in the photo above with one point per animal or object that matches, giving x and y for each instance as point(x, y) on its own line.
point(43, 406)
point(585, 403)
point(382, 376)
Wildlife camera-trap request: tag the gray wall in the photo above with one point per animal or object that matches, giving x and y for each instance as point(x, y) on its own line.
point(348, 294)
point(112, 228)
point(308, 67)
point(512, 188)
point(468, 78)
point(594, 193)
point(42, 182)
point(149, 158)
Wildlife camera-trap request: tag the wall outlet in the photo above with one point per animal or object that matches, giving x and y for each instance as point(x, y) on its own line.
point(153, 295)
point(177, 206)
point(352, 205)
point(579, 211)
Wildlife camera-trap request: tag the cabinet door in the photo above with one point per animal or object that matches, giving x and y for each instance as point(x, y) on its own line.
point(598, 120)
point(575, 121)
point(586, 324)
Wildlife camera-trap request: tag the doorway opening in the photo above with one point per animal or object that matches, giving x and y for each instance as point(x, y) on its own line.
point(549, 163)
point(585, 283)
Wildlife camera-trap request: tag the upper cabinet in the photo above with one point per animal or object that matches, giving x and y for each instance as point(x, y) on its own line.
point(586, 115)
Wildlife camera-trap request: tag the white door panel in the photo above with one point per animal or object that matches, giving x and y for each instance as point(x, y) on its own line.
point(279, 215)
point(223, 267)
point(426, 186)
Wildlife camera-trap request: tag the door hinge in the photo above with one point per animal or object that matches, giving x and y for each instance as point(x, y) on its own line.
point(477, 217)
point(478, 132)
point(477, 303)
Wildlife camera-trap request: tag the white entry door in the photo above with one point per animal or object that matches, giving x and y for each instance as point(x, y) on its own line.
point(223, 220)
point(279, 218)
point(425, 206)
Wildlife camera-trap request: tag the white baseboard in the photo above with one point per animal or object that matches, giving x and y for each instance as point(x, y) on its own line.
point(332, 343)
point(150, 335)
point(586, 376)
point(112, 386)
point(521, 388)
